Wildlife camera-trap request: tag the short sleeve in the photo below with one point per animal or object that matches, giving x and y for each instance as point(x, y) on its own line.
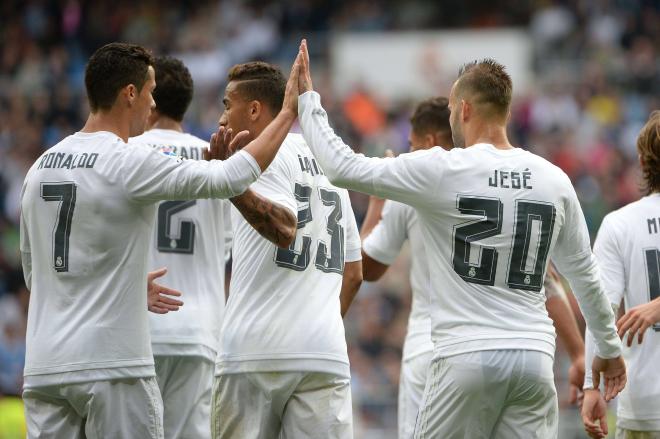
point(386, 239)
point(353, 250)
point(277, 183)
point(609, 256)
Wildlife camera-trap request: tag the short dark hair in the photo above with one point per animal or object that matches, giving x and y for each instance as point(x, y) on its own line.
point(488, 83)
point(648, 147)
point(174, 87)
point(113, 67)
point(431, 116)
point(260, 81)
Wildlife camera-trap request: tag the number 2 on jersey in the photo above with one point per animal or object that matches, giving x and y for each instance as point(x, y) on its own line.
point(299, 260)
point(183, 241)
point(65, 193)
point(533, 228)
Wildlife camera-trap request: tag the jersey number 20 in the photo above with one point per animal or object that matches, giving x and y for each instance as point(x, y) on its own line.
point(529, 249)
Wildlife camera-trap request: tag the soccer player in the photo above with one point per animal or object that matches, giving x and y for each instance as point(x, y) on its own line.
point(382, 242)
point(88, 208)
point(189, 238)
point(282, 368)
point(628, 251)
point(492, 215)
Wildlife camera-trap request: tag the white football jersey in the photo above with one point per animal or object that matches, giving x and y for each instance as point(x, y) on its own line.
point(188, 239)
point(628, 253)
point(491, 218)
point(283, 311)
point(88, 211)
point(399, 222)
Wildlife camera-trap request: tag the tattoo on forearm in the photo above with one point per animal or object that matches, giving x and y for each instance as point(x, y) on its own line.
point(270, 220)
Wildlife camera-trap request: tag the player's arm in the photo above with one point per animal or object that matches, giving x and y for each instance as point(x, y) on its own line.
point(26, 254)
point(151, 176)
point(352, 278)
point(383, 243)
point(574, 259)
point(372, 270)
point(350, 284)
point(271, 220)
point(567, 330)
point(638, 319)
point(408, 178)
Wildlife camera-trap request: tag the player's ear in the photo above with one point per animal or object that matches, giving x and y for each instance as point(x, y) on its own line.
point(430, 140)
point(131, 93)
point(254, 109)
point(466, 110)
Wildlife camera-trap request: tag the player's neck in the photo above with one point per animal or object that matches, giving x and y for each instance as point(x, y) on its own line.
point(110, 121)
point(166, 123)
point(488, 132)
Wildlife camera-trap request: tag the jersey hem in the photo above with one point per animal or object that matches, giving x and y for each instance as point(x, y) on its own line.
point(336, 367)
point(494, 343)
point(76, 367)
point(638, 424)
point(90, 375)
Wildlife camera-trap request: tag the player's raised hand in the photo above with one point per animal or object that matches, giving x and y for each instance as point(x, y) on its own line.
point(158, 301)
point(614, 373)
point(594, 414)
point(223, 143)
point(637, 320)
point(291, 92)
point(305, 77)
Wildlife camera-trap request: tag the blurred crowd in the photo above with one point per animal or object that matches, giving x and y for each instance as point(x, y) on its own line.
point(596, 74)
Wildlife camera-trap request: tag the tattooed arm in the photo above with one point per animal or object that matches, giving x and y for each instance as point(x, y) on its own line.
point(273, 221)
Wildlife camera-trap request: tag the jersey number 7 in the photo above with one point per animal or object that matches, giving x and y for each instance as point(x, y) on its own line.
point(65, 194)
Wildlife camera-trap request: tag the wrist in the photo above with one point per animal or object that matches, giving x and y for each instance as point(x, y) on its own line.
point(288, 114)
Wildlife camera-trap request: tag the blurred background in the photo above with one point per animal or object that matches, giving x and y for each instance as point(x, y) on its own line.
point(586, 76)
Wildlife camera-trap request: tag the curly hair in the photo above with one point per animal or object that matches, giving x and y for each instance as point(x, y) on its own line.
point(260, 81)
point(648, 147)
point(113, 67)
point(174, 87)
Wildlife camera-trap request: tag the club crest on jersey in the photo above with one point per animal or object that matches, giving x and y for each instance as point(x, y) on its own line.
point(472, 272)
point(527, 280)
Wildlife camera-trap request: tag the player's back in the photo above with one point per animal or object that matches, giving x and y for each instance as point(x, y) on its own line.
point(283, 306)
point(493, 217)
point(628, 251)
point(188, 239)
point(87, 314)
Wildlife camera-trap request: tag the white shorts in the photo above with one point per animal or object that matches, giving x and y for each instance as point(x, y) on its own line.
point(505, 394)
point(272, 405)
point(112, 409)
point(185, 385)
point(411, 390)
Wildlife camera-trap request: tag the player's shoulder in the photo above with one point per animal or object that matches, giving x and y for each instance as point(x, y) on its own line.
point(624, 214)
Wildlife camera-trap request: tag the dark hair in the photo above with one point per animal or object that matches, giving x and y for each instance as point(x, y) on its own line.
point(113, 67)
point(260, 81)
point(648, 147)
point(174, 87)
point(488, 83)
point(431, 116)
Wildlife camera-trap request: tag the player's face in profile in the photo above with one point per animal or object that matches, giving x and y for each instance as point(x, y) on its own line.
point(454, 119)
point(236, 114)
point(144, 104)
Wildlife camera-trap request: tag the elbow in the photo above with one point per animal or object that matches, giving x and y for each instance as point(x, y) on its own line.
point(369, 275)
point(285, 237)
point(287, 230)
point(355, 279)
